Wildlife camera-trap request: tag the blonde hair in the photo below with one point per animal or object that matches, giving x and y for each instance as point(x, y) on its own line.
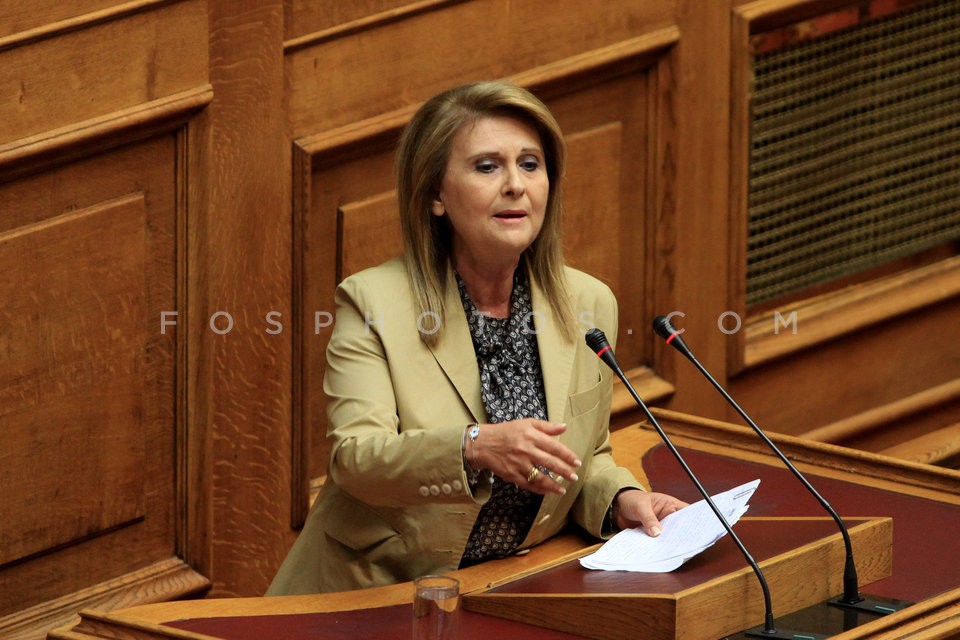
point(421, 161)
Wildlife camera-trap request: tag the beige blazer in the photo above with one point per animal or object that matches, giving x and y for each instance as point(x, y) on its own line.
point(397, 503)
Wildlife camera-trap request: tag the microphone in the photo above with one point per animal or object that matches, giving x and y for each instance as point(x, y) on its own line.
point(851, 597)
point(597, 341)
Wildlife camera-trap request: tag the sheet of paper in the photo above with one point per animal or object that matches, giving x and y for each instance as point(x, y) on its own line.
point(685, 534)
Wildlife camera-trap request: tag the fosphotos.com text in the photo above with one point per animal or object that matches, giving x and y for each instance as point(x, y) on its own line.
point(223, 322)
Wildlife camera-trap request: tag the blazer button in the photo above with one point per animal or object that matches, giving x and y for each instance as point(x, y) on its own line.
point(447, 489)
point(457, 486)
point(424, 491)
point(434, 490)
point(544, 519)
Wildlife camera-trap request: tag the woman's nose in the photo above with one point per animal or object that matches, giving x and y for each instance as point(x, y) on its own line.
point(513, 183)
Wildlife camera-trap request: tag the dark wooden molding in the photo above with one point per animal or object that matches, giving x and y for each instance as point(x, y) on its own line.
point(169, 579)
point(366, 23)
point(830, 316)
point(96, 135)
point(83, 21)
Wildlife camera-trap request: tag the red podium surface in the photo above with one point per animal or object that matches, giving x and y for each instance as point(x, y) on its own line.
point(923, 503)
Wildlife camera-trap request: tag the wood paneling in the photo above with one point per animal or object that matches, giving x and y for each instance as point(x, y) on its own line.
point(607, 127)
point(308, 22)
point(92, 218)
point(830, 316)
point(238, 260)
point(349, 194)
point(89, 374)
point(43, 16)
point(849, 378)
point(595, 157)
point(162, 581)
point(368, 231)
point(73, 394)
point(396, 63)
point(38, 16)
point(214, 157)
point(99, 66)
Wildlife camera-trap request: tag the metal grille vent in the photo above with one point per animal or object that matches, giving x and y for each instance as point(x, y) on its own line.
point(855, 150)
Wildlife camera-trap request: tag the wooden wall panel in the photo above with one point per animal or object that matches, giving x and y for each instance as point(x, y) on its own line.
point(238, 259)
point(27, 17)
point(594, 187)
point(79, 71)
point(92, 217)
point(328, 18)
point(391, 64)
point(89, 381)
point(843, 378)
point(73, 393)
point(350, 195)
point(38, 16)
point(367, 231)
point(610, 128)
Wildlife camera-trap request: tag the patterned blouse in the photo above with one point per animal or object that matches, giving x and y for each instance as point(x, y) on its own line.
point(511, 386)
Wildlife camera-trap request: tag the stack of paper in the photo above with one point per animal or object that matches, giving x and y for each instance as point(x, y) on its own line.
point(685, 534)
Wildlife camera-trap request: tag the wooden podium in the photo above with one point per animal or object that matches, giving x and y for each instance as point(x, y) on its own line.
point(799, 559)
point(903, 519)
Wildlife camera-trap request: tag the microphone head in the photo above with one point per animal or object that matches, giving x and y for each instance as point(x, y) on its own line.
point(596, 340)
point(666, 330)
point(663, 327)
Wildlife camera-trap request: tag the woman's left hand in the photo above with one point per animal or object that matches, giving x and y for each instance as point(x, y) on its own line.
point(635, 508)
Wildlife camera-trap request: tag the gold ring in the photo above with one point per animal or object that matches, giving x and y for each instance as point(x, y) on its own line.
point(533, 474)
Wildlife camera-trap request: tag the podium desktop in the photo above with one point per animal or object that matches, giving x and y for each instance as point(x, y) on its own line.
point(902, 518)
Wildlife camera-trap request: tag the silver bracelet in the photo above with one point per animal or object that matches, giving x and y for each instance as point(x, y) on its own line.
point(472, 432)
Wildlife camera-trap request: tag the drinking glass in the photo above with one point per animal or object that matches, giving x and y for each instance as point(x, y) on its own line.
point(436, 608)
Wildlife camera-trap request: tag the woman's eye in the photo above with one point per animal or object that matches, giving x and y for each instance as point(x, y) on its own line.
point(530, 165)
point(486, 167)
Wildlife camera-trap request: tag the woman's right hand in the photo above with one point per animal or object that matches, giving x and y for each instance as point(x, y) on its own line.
point(527, 453)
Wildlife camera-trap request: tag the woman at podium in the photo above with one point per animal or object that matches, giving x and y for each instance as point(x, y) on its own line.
point(468, 420)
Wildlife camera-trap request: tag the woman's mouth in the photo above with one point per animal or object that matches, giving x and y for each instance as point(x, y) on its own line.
point(513, 214)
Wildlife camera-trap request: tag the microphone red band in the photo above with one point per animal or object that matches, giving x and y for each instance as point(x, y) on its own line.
point(672, 336)
point(602, 351)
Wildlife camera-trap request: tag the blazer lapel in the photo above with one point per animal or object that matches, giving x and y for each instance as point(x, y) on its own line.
point(455, 355)
point(556, 355)
point(556, 366)
point(454, 352)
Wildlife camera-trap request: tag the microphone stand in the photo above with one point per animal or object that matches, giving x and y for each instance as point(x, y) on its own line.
point(597, 341)
point(851, 597)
